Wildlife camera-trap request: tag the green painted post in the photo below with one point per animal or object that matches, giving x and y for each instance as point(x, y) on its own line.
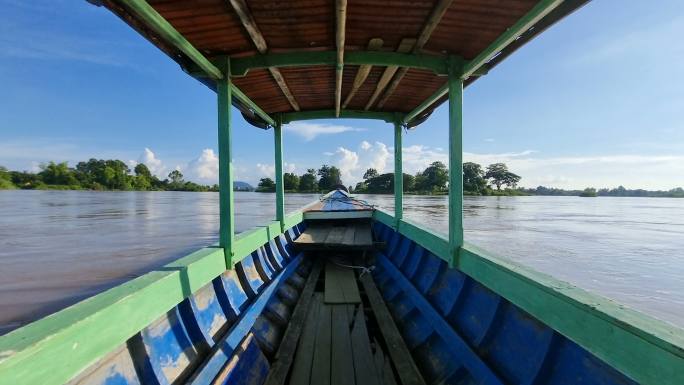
point(226, 207)
point(398, 174)
point(280, 188)
point(455, 160)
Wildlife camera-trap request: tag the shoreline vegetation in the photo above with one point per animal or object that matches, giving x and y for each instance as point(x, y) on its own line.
point(116, 175)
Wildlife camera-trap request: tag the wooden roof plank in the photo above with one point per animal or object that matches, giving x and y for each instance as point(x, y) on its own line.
point(250, 25)
point(341, 18)
point(363, 71)
point(404, 47)
point(435, 17)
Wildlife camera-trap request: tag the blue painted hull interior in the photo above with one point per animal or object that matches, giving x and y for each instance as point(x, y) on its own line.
point(456, 330)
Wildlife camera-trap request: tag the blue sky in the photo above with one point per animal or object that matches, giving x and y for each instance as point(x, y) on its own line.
point(597, 100)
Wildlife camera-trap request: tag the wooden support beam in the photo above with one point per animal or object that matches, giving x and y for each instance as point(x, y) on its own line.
point(247, 20)
point(363, 71)
point(280, 187)
point(388, 117)
point(398, 172)
point(433, 20)
point(455, 163)
point(341, 21)
point(224, 91)
point(405, 46)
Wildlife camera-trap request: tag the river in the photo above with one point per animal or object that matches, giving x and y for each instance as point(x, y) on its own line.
point(58, 247)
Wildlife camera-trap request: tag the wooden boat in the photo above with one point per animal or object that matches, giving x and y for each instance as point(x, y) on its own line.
point(342, 292)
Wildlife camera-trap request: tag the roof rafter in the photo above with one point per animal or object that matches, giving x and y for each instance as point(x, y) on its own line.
point(363, 71)
point(433, 20)
point(240, 66)
point(404, 47)
point(389, 117)
point(242, 10)
point(472, 67)
point(341, 21)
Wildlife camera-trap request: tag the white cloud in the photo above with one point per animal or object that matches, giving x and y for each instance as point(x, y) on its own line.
point(204, 169)
point(156, 166)
point(490, 140)
point(353, 164)
point(310, 131)
point(365, 145)
point(268, 170)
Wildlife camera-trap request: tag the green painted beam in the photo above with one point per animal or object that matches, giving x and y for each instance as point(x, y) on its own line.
point(540, 10)
point(239, 95)
point(388, 117)
point(280, 188)
point(398, 172)
point(455, 162)
point(157, 23)
point(51, 351)
point(434, 63)
point(224, 92)
point(646, 349)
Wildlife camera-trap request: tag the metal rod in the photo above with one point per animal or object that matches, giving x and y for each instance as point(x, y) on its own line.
point(455, 163)
point(226, 208)
point(280, 190)
point(398, 173)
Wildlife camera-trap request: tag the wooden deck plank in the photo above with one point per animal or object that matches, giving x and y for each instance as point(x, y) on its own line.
point(286, 352)
point(364, 368)
point(320, 370)
point(324, 236)
point(349, 235)
point(398, 351)
point(301, 370)
point(342, 364)
point(314, 234)
point(340, 285)
point(336, 235)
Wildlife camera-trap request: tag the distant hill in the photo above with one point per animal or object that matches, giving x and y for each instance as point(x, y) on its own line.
point(242, 186)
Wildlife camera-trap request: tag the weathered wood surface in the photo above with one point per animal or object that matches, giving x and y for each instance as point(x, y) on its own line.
point(364, 368)
point(340, 285)
point(301, 370)
point(329, 236)
point(342, 360)
point(286, 352)
point(398, 351)
point(320, 368)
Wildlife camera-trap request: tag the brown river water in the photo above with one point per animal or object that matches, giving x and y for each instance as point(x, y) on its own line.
point(58, 247)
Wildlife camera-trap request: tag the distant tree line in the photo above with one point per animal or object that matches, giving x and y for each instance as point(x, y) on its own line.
point(312, 181)
point(435, 180)
point(97, 174)
point(619, 191)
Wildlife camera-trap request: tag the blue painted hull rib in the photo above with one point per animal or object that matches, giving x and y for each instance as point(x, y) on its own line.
point(456, 330)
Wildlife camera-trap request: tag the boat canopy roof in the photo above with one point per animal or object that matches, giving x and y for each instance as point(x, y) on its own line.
point(307, 59)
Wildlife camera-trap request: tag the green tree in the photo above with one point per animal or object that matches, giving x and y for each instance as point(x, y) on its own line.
point(308, 182)
point(433, 178)
point(499, 174)
point(142, 170)
point(266, 185)
point(176, 176)
point(58, 174)
point(474, 181)
point(6, 179)
point(370, 173)
point(290, 181)
point(588, 192)
point(330, 177)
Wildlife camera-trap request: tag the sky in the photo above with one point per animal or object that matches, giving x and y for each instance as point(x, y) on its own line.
point(597, 100)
